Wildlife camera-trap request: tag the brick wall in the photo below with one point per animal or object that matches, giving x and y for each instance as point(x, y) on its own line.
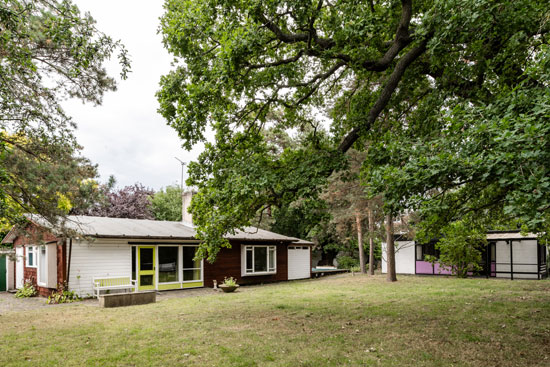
point(33, 235)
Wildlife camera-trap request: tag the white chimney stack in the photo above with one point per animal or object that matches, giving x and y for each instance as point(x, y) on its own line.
point(186, 217)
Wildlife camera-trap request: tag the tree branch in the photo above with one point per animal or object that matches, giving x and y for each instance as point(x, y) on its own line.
point(385, 96)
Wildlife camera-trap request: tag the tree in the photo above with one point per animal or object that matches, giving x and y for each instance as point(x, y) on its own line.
point(460, 248)
point(349, 205)
point(390, 250)
point(128, 202)
point(373, 70)
point(48, 52)
point(41, 177)
point(167, 204)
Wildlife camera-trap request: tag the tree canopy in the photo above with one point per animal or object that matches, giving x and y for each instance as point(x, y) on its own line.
point(132, 201)
point(166, 204)
point(409, 79)
point(49, 51)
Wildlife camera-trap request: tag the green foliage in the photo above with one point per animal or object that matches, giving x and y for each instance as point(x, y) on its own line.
point(167, 204)
point(49, 52)
point(26, 291)
point(347, 262)
point(62, 295)
point(230, 282)
point(460, 248)
point(444, 95)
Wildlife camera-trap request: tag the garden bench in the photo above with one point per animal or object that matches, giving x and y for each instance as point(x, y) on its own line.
point(113, 283)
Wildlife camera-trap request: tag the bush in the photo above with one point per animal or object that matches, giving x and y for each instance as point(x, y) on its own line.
point(26, 291)
point(346, 262)
point(63, 296)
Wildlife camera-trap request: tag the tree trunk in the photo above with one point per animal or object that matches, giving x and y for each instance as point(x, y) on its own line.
point(390, 250)
point(360, 242)
point(371, 241)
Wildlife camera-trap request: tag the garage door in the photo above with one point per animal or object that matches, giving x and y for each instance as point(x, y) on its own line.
point(298, 262)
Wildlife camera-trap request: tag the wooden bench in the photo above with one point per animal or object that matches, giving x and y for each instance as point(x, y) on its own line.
point(113, 283)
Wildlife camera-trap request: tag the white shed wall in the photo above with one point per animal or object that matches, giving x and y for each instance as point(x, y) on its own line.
point(100, 258)
point(523, 252)
point(404, 257)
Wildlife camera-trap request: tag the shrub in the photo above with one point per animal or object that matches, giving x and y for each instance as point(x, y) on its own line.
point(346, 262)
point(63, 296)
point(26, 291)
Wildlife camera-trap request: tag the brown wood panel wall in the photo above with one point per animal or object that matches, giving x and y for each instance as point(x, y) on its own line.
point(228, 264)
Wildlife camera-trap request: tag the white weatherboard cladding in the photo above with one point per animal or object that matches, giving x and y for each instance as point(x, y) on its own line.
point(523, 252)
point(404, 257)
point(299, 262)
point(100, 258)
point(20, 260)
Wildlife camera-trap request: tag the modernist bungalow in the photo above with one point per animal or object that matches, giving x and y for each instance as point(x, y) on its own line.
point(112, 253)
point(508, 254)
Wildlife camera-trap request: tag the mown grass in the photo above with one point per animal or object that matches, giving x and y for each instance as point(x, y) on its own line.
point(336, 321)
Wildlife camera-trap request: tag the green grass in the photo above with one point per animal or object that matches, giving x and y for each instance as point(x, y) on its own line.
point(336, 321)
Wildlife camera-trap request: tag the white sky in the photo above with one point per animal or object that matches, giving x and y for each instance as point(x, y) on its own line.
point(125, 136)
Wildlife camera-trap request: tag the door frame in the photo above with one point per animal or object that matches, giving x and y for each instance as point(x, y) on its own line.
point(19, 267)
point(140, 272)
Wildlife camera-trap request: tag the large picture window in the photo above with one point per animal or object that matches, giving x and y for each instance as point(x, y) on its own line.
point(191, 267)
point(260, 260)
point(168, 264)
point(31, 257)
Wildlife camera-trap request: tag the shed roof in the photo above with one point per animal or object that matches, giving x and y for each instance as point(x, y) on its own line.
point(509, 235)
point(104, 227)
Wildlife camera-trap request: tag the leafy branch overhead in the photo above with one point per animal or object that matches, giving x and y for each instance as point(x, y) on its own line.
point(49, 51)
point(371, 71)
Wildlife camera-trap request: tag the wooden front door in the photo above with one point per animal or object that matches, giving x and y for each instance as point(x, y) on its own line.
point(146, 268)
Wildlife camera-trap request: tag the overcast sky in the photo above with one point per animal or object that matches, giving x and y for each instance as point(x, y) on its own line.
point(125, 136)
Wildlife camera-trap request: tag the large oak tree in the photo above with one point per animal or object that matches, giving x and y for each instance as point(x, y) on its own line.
point(372, 70)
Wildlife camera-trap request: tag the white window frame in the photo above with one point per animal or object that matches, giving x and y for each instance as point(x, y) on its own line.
point(34, 251)
point(250, 272)
point(42, 282)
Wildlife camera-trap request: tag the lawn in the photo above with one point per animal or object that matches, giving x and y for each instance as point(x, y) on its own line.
point(336, 321)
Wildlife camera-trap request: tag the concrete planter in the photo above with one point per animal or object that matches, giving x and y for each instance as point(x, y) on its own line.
point(127, 299)
point(228, 288)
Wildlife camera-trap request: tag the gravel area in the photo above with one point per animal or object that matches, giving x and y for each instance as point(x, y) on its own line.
point(8, 302)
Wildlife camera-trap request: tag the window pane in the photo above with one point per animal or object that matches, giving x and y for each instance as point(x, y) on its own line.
point(418, 252)
point(188, 255)
point(260, 259)
point(31, 258)
point(146, 280)
point(133, 263)
point(249, 266)
point(146, 259)
point(192, 274)
point(271, 259)
point(168, 264)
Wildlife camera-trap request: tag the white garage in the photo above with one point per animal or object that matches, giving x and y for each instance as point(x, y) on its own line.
point(299, 262)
